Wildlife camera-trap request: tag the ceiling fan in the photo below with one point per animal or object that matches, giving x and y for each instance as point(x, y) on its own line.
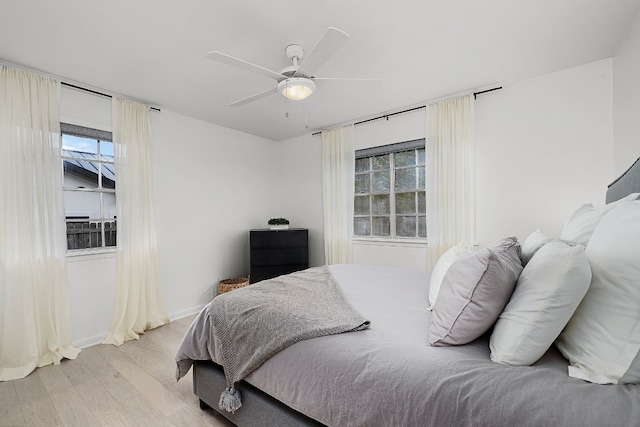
point(297, 81)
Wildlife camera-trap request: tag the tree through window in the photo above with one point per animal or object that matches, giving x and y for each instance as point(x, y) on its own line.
point(390, 191)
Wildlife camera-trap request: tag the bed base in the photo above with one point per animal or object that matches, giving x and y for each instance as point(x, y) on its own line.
point(258, 408)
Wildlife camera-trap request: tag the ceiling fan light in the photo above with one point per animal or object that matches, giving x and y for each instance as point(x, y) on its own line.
point(297, 88)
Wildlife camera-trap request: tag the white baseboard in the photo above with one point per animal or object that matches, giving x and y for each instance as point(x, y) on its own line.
point(89, 342)
point(95, 340)
point(185, 313)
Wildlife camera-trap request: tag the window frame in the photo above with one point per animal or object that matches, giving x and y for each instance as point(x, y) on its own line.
point(393, 236)
point(100, 136)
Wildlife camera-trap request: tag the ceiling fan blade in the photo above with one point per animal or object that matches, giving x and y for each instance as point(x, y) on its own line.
point(332, 40)
point(254, 97)
point(239, 63)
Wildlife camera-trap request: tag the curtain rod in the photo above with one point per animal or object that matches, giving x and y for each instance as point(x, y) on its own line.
point(95, 92)
point(386, 116)
point(63, 83)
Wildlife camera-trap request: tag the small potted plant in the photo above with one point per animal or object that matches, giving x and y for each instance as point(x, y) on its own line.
point(278, 224)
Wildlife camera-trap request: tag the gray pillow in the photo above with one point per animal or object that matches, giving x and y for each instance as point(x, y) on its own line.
point(474, 291)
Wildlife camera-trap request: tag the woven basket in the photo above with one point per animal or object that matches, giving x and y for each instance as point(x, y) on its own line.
point(227, 285)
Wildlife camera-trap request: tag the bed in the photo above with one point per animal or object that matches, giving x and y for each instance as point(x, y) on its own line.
point(387, 375)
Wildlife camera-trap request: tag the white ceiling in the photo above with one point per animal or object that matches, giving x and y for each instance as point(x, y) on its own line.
point(154, 50)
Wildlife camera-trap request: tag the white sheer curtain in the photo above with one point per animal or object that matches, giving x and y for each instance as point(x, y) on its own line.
point(35, 325)
point(139, 304)
point(451, 195)
point(338, 168)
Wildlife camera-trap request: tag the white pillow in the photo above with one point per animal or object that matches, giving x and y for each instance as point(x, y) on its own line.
point(546, 295)
point(602, 339)
point(532, 244)
point(584, 220)
point(441, 267)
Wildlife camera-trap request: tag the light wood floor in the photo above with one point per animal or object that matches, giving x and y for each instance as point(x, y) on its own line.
point(130, 385)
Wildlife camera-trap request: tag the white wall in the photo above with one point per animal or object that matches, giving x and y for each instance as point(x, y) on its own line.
point(545, 146)
point(212, 185)
point(399, 128)
point(91, 281)
point(626, 99)
point(299, 192)
point(81, 108)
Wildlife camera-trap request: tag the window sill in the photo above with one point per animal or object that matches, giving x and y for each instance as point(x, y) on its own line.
point(381, 241)
point(90, 254)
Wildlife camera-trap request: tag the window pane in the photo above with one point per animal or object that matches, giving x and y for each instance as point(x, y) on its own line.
point(361, 205)
point(406, 226)
point(405, 203)
point(110, 233)
point(362, 183)
point(77, 146)
point(381, 204)
point(106, 151)
point(380, 162)
point(82, 204)
point(405, 158)
point(421, 156)
point(363, 165)
point(422, 202)
point(80, 173)
point(108, 176)
point(83, 234)
point(381, 182)
point(405, 179)
point(362, 226)
point(381, 226)
point(421, 177)
point(422, 226)
point(109, 200)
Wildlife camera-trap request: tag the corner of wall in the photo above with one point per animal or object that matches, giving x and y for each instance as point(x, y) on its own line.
point(626, 98)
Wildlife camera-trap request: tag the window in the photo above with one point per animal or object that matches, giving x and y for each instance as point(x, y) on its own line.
point(89, 187)
point(390, 191)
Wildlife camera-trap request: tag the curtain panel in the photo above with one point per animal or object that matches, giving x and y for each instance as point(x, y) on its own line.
point(451, 191)
point(338, 169)
point(139, 304)
point(35, 323)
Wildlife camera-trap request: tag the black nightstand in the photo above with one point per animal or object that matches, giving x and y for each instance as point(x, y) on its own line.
point(277, 252)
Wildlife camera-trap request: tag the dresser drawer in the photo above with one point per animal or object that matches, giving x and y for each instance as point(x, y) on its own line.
point(277, 252)
point(279, 238)
point(263, 273)
point(279, 256)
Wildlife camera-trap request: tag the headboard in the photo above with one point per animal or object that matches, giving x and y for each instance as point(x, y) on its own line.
point(625, 184)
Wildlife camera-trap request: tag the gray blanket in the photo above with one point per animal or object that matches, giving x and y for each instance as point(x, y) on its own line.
point(256, 322)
